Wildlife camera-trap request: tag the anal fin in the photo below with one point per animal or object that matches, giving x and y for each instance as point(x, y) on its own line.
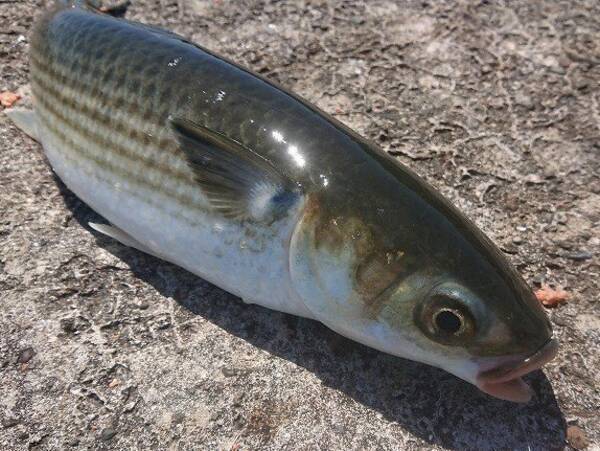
point(25, 119)
point(122, 237)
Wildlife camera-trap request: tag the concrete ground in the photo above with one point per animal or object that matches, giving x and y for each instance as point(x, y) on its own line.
point(497, 104)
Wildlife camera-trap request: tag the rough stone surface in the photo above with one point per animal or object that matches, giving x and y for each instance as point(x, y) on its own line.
point(497, 104)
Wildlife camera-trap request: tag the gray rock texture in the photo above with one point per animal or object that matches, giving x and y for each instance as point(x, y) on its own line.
point(496, 103)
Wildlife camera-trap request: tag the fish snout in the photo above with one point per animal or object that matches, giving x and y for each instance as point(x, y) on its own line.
point(505, 380)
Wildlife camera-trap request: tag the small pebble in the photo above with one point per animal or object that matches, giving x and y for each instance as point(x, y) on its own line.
point(74, 325)
point(68, 325)
point(10, 422)
point(237, 399)
point(524, 101)
point(562, 320)
point(580, 83)
point(539, 279)
point(533, 179)
point(107, 434)
point(580, 256)
point(509, 249)
point(178, 418)
point(26, 355)
point(496, 102)
point(565, 245)
point(576, 437)
point(228, 371)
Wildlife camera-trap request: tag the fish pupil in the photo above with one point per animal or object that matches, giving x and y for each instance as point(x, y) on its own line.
point(448, 322)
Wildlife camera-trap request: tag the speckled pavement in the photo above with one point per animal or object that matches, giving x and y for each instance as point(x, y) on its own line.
point(496, 103)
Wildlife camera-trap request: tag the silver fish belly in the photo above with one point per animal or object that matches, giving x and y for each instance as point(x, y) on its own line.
point(104, 130)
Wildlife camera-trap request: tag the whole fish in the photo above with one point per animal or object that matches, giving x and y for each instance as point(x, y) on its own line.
point(205, 164)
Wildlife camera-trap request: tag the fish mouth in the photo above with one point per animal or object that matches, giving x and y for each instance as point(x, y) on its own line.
point(505, 382)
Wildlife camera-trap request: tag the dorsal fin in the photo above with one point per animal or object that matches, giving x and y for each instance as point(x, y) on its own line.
point(238, 182)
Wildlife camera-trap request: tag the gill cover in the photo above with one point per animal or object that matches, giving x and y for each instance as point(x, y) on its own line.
point(337, 278)
point(317, 273)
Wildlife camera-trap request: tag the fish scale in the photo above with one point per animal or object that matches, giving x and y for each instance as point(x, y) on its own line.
point(105, 127)
point(202, 163)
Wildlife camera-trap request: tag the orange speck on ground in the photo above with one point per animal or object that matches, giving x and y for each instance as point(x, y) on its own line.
point(550, 297)
point(8, 98)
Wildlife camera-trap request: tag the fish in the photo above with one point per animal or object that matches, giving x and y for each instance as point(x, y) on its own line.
point(198, 161)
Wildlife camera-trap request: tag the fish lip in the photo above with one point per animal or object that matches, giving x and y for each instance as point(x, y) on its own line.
point(512, 371)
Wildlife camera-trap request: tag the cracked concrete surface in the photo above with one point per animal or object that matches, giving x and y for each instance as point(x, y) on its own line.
point(496, 103)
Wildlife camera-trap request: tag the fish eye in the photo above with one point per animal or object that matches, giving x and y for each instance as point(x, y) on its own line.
point(446, 319)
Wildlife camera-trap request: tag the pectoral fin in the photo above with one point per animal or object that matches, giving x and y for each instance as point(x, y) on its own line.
point(122, 237)
point(25, 119)
point(238, 182)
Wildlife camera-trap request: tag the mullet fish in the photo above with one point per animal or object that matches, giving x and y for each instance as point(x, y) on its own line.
point(203, 163)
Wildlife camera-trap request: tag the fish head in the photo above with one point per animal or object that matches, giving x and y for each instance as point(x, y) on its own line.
point(483, 333)
point(395, 266)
